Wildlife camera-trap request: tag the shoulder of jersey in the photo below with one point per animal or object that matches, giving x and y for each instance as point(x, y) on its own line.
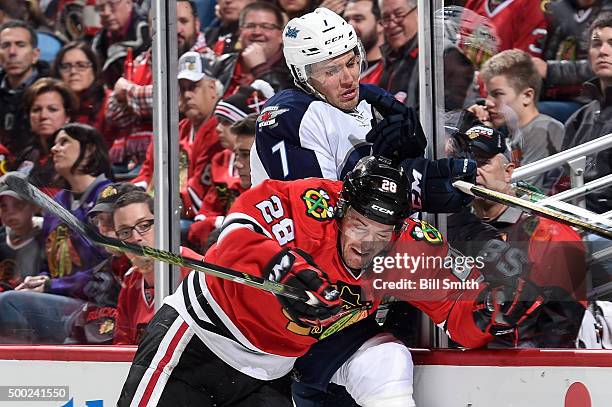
point(293, 99)
point(315, 198)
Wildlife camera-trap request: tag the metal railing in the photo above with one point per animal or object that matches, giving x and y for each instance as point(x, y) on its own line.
point(574, 160)
point(559, 159)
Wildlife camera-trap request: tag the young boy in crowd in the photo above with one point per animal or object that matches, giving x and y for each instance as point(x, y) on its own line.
point(20, 250)
point(513, 85)
point(245, 137)
point(133, 221)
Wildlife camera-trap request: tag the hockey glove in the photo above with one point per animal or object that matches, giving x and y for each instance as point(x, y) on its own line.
point(399, 134)
point(500, 309)
point(297, 269)
point(431, 183)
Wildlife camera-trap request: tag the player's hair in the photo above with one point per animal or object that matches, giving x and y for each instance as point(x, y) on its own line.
point(263, 6)
point(375, 7)
point(518, 68)
point(194, 8)
point(246, 126)
point(25, 26)
point(133, 197)
point(603, 20)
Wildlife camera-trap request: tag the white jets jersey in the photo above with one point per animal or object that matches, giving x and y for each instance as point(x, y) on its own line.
point(300, 136)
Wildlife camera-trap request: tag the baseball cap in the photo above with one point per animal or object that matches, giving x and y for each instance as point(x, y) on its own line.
point(193, 67)
point(486, 139)
point(109, 195)
point(6, 191)
point(236, 107)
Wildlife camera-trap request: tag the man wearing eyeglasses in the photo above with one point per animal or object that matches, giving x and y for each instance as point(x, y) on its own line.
point(222, 34)
point(545, 252)
point(261, 57)
point(123, 28)
point(400, 75)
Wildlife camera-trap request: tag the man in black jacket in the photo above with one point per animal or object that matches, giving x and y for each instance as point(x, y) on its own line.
point(595, 119)
point(20, 68)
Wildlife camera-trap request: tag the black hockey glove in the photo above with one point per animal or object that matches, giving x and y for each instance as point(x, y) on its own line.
point(297, 269)
point(500, 309)
point(399, 134)
point(431, 183)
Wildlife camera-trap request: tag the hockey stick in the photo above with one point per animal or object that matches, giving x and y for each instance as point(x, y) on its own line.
point(564, 207)
point(36, 196)
point(531, 207)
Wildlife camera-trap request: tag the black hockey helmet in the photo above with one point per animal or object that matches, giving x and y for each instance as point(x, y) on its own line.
point(377, 191)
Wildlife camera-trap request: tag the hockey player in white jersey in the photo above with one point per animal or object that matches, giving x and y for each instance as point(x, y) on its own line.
point(331, 121)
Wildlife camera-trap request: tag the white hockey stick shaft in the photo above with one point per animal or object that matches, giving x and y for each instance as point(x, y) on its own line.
point(531, 207)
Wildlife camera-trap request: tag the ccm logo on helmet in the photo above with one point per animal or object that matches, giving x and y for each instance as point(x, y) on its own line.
point(333, 39)
point(383, 210)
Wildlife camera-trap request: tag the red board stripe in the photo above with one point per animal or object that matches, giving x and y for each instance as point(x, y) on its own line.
point(450, 357)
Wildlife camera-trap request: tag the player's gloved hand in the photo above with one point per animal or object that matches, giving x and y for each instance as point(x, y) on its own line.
point(397, 134)
point(297, 269)
point(501, 308)
point(431, 183)
point(398, 137)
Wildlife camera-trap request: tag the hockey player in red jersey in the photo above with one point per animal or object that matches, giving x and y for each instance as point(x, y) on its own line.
point(216, 342)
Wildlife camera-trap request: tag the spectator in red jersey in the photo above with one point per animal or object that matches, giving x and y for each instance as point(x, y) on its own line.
point(134, 221)
point(77, 65)
point(519, 23)
point(364, 16)
point(224, 177)
point(198, 140)
point(548, 253)
point(130, 107)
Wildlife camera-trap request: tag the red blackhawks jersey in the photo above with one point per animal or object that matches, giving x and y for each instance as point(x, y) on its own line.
point(196, 150)
point(218, 199)
point(247, 328)
point(519, 23)
point(135, 307)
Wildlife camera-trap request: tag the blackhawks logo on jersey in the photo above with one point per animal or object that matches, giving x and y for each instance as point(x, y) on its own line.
point(317, 204)
point(426, 232)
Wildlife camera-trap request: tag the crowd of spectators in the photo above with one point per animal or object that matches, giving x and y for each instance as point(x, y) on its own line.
point(76, 104)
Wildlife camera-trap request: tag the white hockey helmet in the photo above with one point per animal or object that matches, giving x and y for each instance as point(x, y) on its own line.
point(317, 37)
